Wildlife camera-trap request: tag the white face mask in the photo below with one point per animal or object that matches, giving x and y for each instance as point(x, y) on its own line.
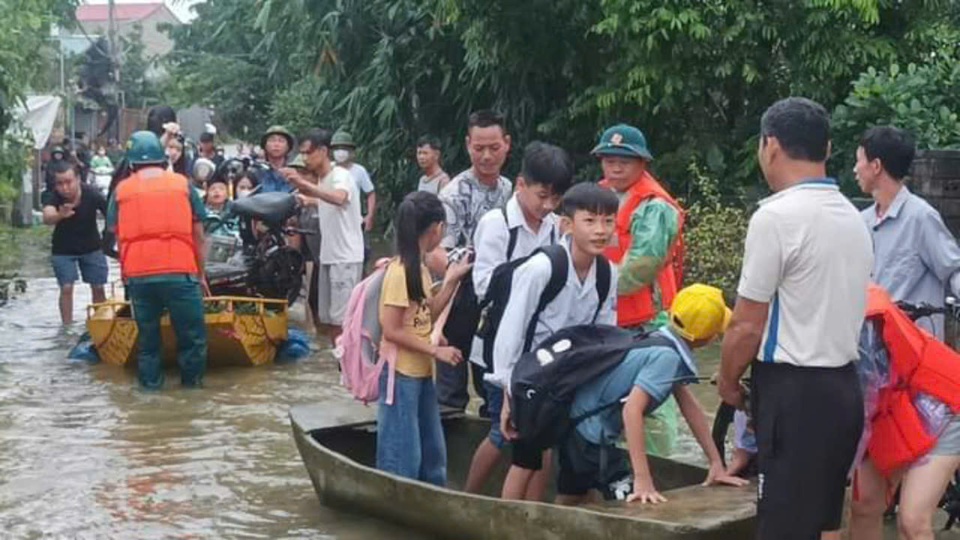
point(340, 155)
point(243, 193)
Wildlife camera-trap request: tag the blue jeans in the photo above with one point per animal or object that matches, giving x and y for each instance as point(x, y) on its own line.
point(183, 299)
point(410, 439)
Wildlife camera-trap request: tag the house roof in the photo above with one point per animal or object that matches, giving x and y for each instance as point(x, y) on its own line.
point(122, 12)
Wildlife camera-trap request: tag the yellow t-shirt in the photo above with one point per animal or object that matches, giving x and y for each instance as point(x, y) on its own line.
point(416, 320)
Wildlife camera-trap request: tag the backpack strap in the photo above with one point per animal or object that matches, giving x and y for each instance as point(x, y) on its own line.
point(558, 278)
point(603, 284)
point(514, 232)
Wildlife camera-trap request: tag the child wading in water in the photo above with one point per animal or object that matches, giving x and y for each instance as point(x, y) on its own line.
point(410, 439)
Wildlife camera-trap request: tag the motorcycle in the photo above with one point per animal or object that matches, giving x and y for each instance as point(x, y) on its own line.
point(264, 265)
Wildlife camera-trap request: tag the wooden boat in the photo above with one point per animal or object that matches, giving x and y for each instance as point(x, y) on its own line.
point(240, 331)
point(338, 445)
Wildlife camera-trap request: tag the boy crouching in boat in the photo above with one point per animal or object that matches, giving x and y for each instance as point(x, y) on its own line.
point(647, 376)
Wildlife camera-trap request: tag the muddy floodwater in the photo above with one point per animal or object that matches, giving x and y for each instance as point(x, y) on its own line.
point(85, 454)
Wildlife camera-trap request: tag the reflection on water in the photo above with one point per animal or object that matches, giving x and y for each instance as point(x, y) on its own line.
point(85, 454)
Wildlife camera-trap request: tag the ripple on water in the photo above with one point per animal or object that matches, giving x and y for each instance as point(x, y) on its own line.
point(85, 454)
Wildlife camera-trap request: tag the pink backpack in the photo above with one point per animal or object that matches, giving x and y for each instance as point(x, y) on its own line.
point(361, 357)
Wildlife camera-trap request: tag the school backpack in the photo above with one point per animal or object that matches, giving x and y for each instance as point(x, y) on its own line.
point(358, 346)
point(501, 281)
point(545, 380)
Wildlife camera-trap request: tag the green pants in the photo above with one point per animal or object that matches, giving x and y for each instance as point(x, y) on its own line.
point(183, 299)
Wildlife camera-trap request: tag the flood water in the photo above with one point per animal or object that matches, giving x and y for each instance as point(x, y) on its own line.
point(85, 454)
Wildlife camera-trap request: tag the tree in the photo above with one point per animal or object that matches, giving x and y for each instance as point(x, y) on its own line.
point(24, 30)
point(139, 76)
point(218, 61)
point(695, 75)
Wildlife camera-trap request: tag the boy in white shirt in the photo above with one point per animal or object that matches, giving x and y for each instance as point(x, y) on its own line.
point(524, 225)
point(589, 215)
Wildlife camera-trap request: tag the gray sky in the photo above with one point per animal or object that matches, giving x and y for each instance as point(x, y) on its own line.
point(180, 7)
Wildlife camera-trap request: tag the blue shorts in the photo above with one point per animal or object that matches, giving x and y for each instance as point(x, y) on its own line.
point(93, 268)
point(494, 406)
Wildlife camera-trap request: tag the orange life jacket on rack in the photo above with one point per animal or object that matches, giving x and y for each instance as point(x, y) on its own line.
point(918, 363)
point(155, 225)
point(638, 308)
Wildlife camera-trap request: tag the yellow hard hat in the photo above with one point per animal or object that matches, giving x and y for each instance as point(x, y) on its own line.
point(699, 312)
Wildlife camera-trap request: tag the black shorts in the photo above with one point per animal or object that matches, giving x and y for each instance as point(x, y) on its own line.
point(526, 456)
point(808, 423)
point(584, 466)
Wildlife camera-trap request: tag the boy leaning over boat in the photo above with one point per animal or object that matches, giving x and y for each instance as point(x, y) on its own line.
point(612, 407)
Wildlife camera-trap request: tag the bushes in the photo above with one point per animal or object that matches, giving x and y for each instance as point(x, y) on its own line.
point(921, 99)
point(714, 235)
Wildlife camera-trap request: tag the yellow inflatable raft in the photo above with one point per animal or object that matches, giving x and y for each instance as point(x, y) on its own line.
point(240, 331)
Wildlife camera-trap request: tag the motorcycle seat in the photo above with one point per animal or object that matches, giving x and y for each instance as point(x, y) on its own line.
point(271, 208)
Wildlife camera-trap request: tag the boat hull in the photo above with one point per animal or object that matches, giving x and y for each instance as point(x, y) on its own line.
point(240, 331)
point(352, 484)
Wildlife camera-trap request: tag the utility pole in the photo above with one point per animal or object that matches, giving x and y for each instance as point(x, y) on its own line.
point(114, 54)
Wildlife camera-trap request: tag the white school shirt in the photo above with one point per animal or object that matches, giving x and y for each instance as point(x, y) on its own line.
point(574, 305)
point(809, 256)
point(491, 240)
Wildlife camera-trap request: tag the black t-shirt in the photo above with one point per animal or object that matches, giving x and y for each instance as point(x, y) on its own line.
point(78, 234)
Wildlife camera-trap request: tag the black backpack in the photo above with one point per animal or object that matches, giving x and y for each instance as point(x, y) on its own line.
point(501, 282)
point(545, 380)
point(466, 309)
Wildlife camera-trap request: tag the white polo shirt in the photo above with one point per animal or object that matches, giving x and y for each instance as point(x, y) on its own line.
point(574, 305)
point(491, 240)
point(809, 256)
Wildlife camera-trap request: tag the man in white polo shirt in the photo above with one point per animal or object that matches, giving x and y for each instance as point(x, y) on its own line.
point(802, 298)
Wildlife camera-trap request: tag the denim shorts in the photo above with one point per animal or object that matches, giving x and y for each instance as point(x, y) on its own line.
point(948, 444)
point(494, 406)
point(93, 268)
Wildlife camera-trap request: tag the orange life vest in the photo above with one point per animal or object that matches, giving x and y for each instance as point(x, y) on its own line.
point(155, 225)
point(918, 363)
point(638, 308)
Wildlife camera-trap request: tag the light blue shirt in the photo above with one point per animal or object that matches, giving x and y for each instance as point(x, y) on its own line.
point(655, 370)
point(915, 257)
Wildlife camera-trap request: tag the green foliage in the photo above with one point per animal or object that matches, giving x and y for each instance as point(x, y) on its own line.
point(24, 31)
point(140, 90)
point(714, 234)
point(218, 62)
point(695, 75)
point(921, 99)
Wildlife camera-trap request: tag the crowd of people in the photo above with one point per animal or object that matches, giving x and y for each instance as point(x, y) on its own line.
point(547, 255)
point(809, 259)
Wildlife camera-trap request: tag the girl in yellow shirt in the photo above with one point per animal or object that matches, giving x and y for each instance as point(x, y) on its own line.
point(410, 440)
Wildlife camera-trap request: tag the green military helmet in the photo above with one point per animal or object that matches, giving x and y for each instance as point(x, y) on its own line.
point(342, 139)
point(144, 147)
point(58, 150)
point(278, 130)
point(625, 141)
point(298, 162)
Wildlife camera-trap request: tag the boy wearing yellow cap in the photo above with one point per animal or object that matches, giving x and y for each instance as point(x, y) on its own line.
point(646, 377)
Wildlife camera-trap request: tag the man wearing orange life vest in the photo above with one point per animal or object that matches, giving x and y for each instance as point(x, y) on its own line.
point(157, 218)
point(648, 244)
